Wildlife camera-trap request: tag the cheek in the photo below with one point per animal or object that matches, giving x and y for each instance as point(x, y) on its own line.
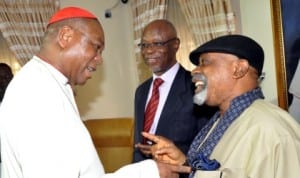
point(213, 87)
point(166, 59)
point(217, 84)
point(80, 63)
point(83, 51)
point(84, 56)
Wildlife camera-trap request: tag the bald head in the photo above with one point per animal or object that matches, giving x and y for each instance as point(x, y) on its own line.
point(159, 45)
point(162, 26)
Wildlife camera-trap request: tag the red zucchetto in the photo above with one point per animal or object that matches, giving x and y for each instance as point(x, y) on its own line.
point(70, 12)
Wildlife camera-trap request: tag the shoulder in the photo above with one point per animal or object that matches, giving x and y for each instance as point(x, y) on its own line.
point(145, 85)
point(184, 71)
point(269, 118)
point(267, 110)
point(184, 75)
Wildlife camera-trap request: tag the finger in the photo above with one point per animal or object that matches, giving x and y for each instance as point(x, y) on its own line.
point(151, 137)
point(158, 157)
point(143, 146)
point(165, 159)
point(165, 150)
point(162, 158)
point(146, 152)
point(145, 149)
point(158, 146)
point(181, 169)
point(137, 145)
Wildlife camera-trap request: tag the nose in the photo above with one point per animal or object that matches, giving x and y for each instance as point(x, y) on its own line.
point(149, 49)
point(196, 70)
point(99, 59)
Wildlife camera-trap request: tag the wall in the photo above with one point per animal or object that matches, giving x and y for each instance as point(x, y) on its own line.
point(257, 23)
point(110, 92)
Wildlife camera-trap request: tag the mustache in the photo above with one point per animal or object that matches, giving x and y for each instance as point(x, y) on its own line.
point(199, 77)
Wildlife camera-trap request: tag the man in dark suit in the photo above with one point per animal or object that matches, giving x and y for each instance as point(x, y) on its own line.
point(176, 117)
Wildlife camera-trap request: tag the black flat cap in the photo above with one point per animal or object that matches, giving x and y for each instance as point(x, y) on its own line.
point(239, 45)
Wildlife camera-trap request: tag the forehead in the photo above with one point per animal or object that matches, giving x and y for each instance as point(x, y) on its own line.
point(157, 31)
point(94, 29)
point(218, 56)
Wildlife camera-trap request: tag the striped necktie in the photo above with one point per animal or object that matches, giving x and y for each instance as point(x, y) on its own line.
point(152, 105)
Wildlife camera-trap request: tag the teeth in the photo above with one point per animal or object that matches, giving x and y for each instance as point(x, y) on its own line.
point(199, 83)
point(91, 69)
point(151, 60)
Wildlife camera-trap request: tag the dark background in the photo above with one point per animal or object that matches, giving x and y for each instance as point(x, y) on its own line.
point(290, 10)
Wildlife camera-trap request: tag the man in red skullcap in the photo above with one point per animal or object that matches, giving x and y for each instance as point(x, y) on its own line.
point(42, 135)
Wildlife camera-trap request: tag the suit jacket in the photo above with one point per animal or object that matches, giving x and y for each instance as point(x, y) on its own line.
point(180, 119)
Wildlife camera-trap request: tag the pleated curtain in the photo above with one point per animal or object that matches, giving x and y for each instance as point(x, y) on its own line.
point(22, 24)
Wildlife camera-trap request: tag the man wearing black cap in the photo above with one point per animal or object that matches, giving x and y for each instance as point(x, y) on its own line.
point(247, 137)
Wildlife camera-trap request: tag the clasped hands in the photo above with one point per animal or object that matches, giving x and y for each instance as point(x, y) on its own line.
point(168, 157)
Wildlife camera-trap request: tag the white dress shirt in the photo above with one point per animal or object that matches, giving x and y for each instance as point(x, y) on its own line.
point(164, 90)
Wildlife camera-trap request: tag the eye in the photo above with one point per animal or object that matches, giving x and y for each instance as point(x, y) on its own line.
point(143, 45)
point(158, 44)
point(97, 47)
point(204, 62)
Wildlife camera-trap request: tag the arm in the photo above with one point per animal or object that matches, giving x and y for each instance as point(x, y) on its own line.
point(149, 169)
point(164, 150)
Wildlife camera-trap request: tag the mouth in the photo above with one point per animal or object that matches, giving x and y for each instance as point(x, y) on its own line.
point(199, 86)
point(91, 69)
point(200, 82)
point(152, 60)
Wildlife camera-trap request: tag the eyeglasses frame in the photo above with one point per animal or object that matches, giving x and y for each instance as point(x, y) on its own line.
point(157, 44)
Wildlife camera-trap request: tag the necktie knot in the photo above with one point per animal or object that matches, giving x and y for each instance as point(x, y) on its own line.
point(157, 82)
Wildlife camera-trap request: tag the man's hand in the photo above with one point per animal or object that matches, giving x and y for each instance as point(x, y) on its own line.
point(165, 150)
point(171, 171)
point(145, 149)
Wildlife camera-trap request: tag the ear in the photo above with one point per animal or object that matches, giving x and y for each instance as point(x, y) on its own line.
point(176, 44)
point(65, 35)
point(241, 67)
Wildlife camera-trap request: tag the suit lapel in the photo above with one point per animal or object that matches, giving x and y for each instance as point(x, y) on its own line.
point(175, 99)
point(141, 104)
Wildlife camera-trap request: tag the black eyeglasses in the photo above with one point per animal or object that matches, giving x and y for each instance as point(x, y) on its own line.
point(158, 44)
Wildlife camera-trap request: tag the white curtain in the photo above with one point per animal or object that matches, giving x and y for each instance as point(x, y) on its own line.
point(145, 11)
point(187, 43)
point(208, 19)
point(22, 24)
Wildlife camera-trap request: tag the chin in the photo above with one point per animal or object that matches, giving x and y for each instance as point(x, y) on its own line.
point(82, 82)
point(200, 97)
point(157, 70)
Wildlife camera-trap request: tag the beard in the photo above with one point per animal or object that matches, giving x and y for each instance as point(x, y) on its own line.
point(201, 96)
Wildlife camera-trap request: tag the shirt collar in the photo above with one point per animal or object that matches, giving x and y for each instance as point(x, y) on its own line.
point(169, 75)
point(56, 73)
